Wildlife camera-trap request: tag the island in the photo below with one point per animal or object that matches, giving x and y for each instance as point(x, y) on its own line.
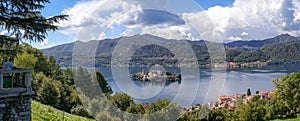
point(156, 75)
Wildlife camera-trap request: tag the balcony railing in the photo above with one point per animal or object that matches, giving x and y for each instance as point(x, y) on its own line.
point(15, 82)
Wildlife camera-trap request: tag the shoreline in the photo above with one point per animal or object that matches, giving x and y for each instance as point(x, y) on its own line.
point(206, 66)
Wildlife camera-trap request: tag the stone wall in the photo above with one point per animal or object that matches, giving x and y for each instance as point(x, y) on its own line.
point(17, 108)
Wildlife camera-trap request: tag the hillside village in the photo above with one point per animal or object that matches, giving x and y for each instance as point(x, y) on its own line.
point(230, 102)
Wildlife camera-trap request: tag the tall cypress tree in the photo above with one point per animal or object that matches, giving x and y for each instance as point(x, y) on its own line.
point(248, 92)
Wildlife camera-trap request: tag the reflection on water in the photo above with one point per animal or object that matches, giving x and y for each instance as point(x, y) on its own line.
point(237, 81)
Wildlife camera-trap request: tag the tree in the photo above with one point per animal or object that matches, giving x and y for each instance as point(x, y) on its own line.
point(85, 83)
point(218, 115)
point(248, 92)
point(257, 92)
point(25, 60)
point(275, 109)
point(54, 68)
point(190, 116)
point(122, 100)
point(103, 83)
point(23, 21)
point(69, 98)
point(49, 92)
point(80, 111)
point(105, 116)
point(67, 76)
point(42, 61)
point(288, 94)
point(163, 110)
point(134, 109)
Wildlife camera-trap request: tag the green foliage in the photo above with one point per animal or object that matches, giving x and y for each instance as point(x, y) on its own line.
point(285, 52)
point(67, 76)
point(287, 96)
point(277, 53)
point(69, 98)
point(105, 116)
point(190, 116)
point(86, 83)
point(121, 100)
point(276, 109)
point(252, 56)
point(157, 105)
point(25, 21)
point(25, 60)
point(231, 53)
point(135, 112)
point(48, 92)
point(42, 112)
point(103, 83)
point(220, 115)
point(8, 47)
point(54, 68)
point(80, 111)
point(42, 63)
point(136, 109)
point(163, 109)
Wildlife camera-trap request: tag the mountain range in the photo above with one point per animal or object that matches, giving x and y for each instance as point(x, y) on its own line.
point(279, 49)
point(259, 43)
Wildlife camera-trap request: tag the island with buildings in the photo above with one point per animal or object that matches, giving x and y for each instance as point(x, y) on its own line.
point(156, 75)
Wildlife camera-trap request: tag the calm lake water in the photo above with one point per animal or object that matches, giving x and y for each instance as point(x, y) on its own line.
point(197, 88)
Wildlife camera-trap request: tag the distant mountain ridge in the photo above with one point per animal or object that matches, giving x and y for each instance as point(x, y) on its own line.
point(235, 51)
point(259, 43)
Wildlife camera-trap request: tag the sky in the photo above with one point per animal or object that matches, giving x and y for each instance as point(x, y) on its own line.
point(213, 20)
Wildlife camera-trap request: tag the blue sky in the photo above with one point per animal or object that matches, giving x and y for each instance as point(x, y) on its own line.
point(173, 19)
point(205, 4)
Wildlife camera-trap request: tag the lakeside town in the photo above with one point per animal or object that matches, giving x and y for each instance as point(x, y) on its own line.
point(230, 102)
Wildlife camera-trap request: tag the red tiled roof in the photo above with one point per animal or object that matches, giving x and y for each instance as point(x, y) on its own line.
point(223, 97)
point(235, 96)
point(263, 92)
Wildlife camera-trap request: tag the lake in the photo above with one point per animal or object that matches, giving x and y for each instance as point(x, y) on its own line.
point(196, 88)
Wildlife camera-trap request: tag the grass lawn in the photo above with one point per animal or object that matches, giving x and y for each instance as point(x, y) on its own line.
point(42, 112)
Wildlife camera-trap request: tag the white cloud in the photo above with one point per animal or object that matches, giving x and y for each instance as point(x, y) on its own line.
point(297, 10)
point(151, 4)
point(88, 19)
point(253, 19)
point(102, 36)
point(260, 18)
point(173, 32)
point(234, 38)
point(45, 44)
point(244, 33)
point(86, 13)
